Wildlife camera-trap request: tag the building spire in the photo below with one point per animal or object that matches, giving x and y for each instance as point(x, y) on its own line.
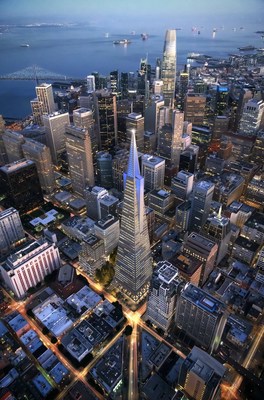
point(133, 165)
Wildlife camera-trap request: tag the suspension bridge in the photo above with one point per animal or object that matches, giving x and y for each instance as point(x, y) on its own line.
point(37, 73)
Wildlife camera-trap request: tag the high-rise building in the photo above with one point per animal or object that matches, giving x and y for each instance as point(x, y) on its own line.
point(217, 228)
point(201, 316)
point(13, 144)
point(40, 154)
point(29, 266)
point(90, 83)
point(44, 103)
point(19, 183)
point(55, 125)
point(168, 67)
point(93, 196)
point(79, 151)
point(108, 230)
point(183, 85)
point(202, 136)
point(182, 185)
point(251, 118)
point(183, 215)
point(91, 256)
point(114, 82)
point(104, 162)
point(258, 148)
point(220, 128)
point(83, 118)
point(205, 250)
point(133, 263)
point(105, 118)
point(153, 171)
point(45, 96)
point(163, 292)
point(135, 121)
point(189, 159)
point(152, 114)
point(200, 375)
point(194, 108)
point(169, 144)
point(163, 203)
point(202, 197)
point(11, 230)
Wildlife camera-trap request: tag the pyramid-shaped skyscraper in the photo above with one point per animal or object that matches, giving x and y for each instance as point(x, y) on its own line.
point(134, 262)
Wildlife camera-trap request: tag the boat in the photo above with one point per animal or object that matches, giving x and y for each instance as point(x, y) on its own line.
point(106, 35)
point(24, 45)
point(247, 48)
point(144, 36)
point(122, 41)
point(133, 33)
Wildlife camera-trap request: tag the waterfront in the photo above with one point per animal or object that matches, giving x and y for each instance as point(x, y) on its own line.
point(78, 50)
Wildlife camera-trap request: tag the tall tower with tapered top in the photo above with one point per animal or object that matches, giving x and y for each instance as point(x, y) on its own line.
point(134, 263)
point(168, 67)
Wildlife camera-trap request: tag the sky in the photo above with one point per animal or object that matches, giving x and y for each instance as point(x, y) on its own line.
point(158, 13)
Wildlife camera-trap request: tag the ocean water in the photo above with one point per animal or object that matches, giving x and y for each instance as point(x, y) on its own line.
point(78, 50)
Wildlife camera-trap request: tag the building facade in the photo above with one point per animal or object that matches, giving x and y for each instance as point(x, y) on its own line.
point(133, 263)
point(29, 266)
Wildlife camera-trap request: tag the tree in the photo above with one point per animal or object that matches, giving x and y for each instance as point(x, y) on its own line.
point(105, 274)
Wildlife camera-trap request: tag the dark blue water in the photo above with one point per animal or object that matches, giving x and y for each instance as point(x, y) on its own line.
point(76, 51)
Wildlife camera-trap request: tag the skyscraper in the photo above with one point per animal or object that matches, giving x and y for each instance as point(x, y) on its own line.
point(251, 119)
point(105, 118)
point(202, 197)
point(90, 83)
point(11, 229)
point(44, 103)
point(45, 97)
point(133, 264)
point(19, 183)
point(83, 118)
point(201, 316)
point(162, 296)
point(40, 154)
point(153, 170)
point(13, 144)
point(79, 151)
point(169, 144)
point(135, 121)
point(168, 67)
point(55, 129)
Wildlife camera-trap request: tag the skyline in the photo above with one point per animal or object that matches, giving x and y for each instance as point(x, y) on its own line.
point(137, 14)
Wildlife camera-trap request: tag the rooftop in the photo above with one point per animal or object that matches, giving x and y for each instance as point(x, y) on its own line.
point(16, 165)
point(202, 299)
point(167, 272)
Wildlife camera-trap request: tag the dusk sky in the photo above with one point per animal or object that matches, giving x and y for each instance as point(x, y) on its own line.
point(137, 13)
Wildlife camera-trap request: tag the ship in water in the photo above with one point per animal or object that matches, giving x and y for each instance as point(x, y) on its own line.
point(24, 45)
point(144, 36)
point(247, 48)
point(122, 41)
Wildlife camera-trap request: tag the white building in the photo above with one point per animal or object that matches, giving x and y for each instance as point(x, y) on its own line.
point(29, 266)
point(108, 230)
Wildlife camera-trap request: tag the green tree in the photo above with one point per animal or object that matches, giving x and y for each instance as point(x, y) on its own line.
point(105, 274)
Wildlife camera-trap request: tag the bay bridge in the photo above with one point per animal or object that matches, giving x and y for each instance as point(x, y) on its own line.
point(37, 73)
